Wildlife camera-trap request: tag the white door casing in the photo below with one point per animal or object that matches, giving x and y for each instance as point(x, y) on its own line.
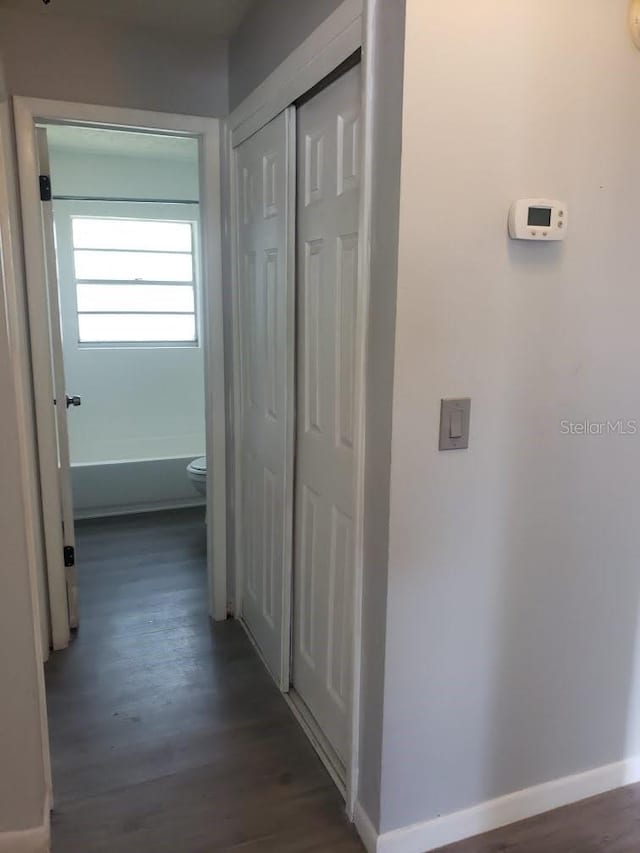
point(328, 197)
point(265, 317)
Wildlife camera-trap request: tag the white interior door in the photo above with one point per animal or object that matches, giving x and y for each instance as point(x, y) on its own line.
point(328, 181)
point(266, 322)
point(51, 415)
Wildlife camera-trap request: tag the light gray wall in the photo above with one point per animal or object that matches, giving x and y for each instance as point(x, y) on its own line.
point(271, 31)
point(22, 765)
point(514, 589)
point(386, 138)
point(128, 412)
point(111, 176)
point(104, 62)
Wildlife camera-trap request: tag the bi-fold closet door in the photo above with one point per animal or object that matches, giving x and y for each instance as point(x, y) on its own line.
point(298, 248)
point(265, 432)
point(328, 179)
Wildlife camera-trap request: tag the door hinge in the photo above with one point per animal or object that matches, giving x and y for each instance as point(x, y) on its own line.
point(69, 556)
point(45, 188)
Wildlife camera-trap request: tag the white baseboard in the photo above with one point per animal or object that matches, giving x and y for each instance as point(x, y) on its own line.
point(366, 829)
point(432, 834)
point(35, 840)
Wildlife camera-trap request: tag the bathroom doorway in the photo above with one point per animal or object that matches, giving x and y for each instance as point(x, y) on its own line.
point(126, 338)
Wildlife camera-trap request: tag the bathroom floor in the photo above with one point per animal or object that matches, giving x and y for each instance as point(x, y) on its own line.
point(167, 733)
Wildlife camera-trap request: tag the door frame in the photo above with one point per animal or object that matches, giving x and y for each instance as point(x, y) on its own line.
point(28, 112)
point(346, 30)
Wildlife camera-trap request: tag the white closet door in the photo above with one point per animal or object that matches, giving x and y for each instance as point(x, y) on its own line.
point(327, 272)
point(266, 366)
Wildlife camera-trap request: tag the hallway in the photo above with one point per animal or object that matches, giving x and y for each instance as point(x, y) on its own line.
point(167, 733)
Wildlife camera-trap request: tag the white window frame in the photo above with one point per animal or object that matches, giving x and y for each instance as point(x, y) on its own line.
point(72, 213)
point(65, 210)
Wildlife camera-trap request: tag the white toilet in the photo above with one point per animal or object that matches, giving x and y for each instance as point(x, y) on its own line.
point(197, 473)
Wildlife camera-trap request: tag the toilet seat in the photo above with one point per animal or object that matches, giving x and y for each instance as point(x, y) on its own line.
point(198, 468)
point(197, 474)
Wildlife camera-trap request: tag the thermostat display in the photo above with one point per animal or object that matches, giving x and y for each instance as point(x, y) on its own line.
point(538, 219)
point(539, 216)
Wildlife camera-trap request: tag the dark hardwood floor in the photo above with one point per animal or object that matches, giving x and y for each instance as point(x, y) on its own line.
point(609, 823)
point(167, 734)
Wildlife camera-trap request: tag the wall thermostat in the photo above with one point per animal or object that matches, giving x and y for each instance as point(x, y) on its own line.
point(538, 219)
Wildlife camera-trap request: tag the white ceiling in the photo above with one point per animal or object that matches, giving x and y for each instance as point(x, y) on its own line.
point(205, 17)
point(93, 140)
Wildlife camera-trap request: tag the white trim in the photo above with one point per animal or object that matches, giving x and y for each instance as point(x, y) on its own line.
point(360, 399)
point(44, 391)
point(232, 243)
point(10, 275)
point(34, 840)
point(30, 110)
point(365, 828)
point(214, 372)
point(493, 814)
point(331, 43)
point(337, 38)
point(289, 404)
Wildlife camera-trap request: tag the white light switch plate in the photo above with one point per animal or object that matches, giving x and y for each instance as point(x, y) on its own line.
point(455, 416)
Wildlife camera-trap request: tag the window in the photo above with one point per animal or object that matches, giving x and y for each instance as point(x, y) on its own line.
point(134, 281)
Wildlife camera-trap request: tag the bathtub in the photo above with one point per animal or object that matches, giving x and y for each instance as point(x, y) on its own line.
point(134, 485)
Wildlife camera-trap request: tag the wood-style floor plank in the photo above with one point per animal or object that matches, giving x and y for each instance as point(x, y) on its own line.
point(609, 823)
point(167, 733)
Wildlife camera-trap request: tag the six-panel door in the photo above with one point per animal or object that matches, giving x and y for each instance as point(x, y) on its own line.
point(328, 182)
point(261, 175)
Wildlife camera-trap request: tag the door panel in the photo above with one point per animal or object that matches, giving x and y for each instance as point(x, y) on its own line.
point(46, 354)
point(60, 390)
point(327, 238)
point(266, 353)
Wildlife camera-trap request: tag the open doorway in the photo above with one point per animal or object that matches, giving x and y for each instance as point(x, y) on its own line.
point(122, 227)
point(122, 243)
point(126, 218)
point(125, 235)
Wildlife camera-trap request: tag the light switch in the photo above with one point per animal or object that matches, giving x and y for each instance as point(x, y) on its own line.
point(455, 424)
point(455, 417)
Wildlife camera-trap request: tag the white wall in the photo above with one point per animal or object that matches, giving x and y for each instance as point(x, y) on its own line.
point(108, 62)
point(23, 765)
point(115, 176)
point(138, 403)
point(513, 575)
